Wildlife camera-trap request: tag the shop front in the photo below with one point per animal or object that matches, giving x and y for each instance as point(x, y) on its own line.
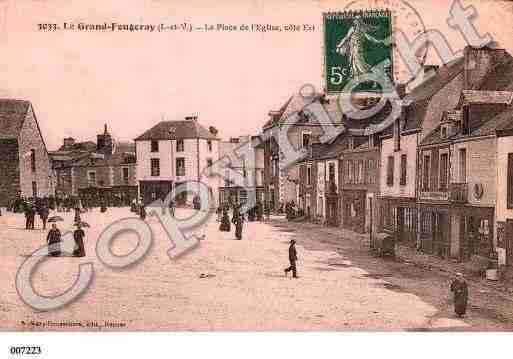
point(398, 216)
point(353, 210)
point(434, 226)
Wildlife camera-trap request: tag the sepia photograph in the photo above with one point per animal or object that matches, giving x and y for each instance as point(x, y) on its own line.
point(254, 166)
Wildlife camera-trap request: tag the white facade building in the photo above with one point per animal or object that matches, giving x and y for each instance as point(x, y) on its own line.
point(173, 152)
point(250, 169)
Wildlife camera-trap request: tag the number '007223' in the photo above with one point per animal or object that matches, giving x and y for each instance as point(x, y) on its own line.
point(25, 350)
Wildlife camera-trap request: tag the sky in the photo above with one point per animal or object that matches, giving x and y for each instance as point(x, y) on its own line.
point(77, 81)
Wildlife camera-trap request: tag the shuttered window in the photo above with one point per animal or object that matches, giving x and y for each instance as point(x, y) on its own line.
point(390, 171)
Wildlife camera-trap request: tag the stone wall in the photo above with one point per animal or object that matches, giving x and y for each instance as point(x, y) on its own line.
point(9, 170)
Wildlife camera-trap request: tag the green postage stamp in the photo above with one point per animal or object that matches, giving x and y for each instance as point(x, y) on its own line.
point(354, 45)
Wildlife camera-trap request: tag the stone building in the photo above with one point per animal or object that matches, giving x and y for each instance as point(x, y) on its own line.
point(93, 171)
point(422, 109)
point(252, 170)
point(294, 117)
point(457, 173)
point(172, 152)
point(25, 167)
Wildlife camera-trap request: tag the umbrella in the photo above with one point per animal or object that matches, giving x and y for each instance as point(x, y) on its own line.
point(55, 219)
point(83, 224)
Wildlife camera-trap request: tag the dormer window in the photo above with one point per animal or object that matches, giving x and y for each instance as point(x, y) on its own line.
point(443, 132)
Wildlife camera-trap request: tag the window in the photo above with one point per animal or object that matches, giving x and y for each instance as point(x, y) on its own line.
point(34, 189)
point(331, 172)
point(33, 160)
point(360, 172)
point(154, 146)
point(209, 146)
point(155, 167)
point(463, 165)
point(180, 147)
point(510, 181)
point(227, 178)
point(370, 174)
point(350, 171)
point(425, 172)
point(308, 175)
point(402, 180)
point(305, 139)
point(126, 175)
point(444, 171)
point(397, 135)
point(180, 166)
point(91, 178)
point(209, 166)
point(390, 171)
point(443, 132)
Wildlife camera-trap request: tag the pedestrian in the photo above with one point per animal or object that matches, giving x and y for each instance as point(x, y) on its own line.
point(54, 241)
point(219, 213)
point(238, 227)
point(142, 211)
point(292, 259)
point(225, 221)
point(459, 288)
point(172, 208)
point(77, 218)
point(78, 236)
point(44, 212)
point(103, 206)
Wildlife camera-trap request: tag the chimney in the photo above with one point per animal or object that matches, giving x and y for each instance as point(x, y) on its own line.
point(213, 130)
point(69, 142)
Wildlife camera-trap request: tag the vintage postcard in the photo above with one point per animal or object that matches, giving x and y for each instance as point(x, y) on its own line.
point(256, 166)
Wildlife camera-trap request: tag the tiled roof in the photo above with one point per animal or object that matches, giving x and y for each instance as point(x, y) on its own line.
point(436, 82)
point(500, 77)
point(417, 101)
point(12, 115)
point(122, 151)
point(171, 130)
point(504, 119)
point(80, 146)
point(335, 148)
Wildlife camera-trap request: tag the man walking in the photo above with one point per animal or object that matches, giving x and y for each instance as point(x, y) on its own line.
point(292, 259)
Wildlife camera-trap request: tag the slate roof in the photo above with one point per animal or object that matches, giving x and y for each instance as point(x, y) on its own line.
point(419, 97)
point(490, 111)
point(12, 116)
point(297, 103)
point(79, 146)
point(122, 151)
point(172, 130)
point(334, 149)
point(504, 120)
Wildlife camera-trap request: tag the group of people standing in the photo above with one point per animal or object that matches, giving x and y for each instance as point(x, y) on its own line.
point(237, 219)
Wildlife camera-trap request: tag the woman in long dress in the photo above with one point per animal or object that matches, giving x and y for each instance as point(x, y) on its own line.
point(78, 236)
point(459, 288)
point(54, 241)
